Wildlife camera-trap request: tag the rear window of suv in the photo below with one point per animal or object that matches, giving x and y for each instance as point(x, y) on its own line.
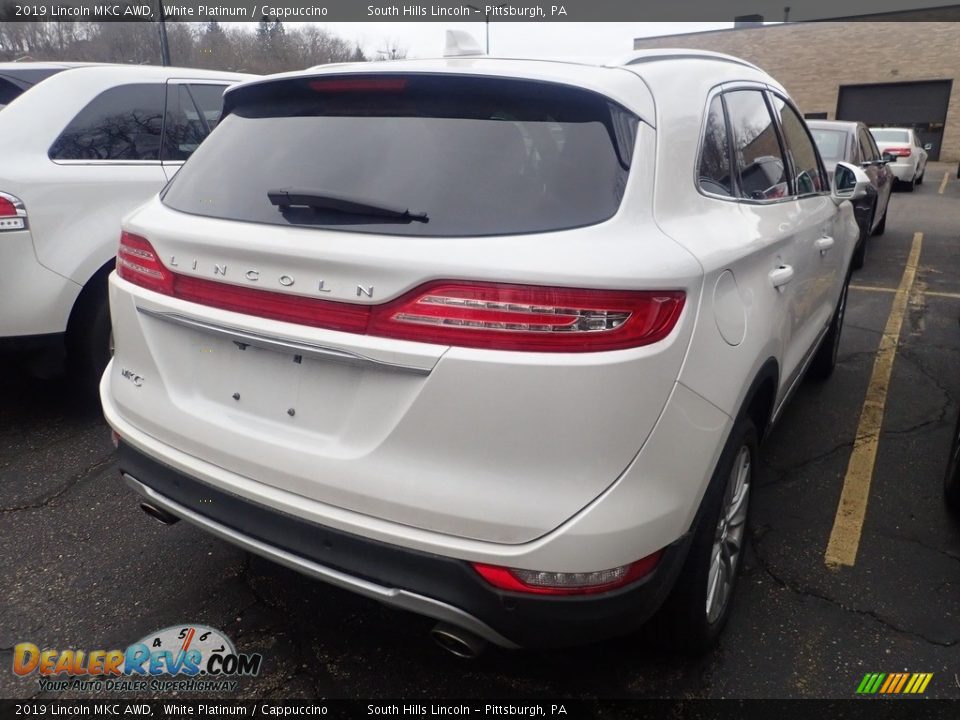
point(891, 135)
point(466, 156)
point(15, 82)
point(832, 143)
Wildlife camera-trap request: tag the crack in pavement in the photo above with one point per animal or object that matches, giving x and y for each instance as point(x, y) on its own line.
point(245, 578)
point(906, 352)
point(785, 473)
point(30, 432)
point(67, 486)
point(301, 653)
point(841, 359)
point(860, 327)
point(803, 591)
point(915, 541)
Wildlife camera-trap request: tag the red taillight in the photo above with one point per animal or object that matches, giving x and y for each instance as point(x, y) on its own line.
point(345, 317)
point(137, 262)
point(520, 317)
point(13, 216)
point(480, 315)
point(900, 151)
point(349, 84)
point(536, 582)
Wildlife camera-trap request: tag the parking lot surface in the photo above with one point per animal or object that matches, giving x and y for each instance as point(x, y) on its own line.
point(83, 567)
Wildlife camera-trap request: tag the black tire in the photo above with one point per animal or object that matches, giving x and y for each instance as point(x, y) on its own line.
point(824, 362)
point(859, 255)
point(920, 179)
point(694, 629)
point(951, 479)
point(860, 252)
point(908, 186)
point(882, 225)
point(89, 335)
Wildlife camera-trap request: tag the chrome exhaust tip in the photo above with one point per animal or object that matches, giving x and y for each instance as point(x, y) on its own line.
point(161, 516)
point(457, 641)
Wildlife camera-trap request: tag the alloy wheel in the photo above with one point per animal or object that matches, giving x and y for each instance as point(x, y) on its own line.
point(729, 535)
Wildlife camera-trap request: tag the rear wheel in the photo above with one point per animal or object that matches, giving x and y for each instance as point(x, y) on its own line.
point(920, 179)
point(860, 253)
point(882, 225)
point(908, 186)
point(699, 605)
point(89, 337)
point(825, 360)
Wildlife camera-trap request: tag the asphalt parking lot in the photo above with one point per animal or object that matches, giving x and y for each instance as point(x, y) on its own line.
point(83, 567)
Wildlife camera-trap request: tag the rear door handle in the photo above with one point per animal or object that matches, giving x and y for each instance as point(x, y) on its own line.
point(824, 244)
point(781, 276)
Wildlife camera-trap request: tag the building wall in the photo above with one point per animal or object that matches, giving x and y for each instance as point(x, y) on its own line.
point(812, 60)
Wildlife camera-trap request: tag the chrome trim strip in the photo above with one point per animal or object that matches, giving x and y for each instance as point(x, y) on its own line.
point(294, 347)
point(395, 597)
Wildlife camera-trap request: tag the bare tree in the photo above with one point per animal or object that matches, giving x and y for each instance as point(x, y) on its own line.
point(391, 50)
point(271, 47)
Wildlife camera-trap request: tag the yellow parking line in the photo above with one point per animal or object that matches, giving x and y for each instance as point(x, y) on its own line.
point(848, 523)
point(943, 185)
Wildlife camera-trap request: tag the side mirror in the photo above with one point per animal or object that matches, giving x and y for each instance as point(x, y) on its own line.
point(849, 183)
point(928, 146)
point(888, 158)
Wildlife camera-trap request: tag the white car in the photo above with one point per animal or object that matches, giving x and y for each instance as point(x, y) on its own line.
point(489, 340)
point(910, 156)
point(82, 146)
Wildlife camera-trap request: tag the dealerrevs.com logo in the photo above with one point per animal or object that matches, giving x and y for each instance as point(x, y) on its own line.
point(183, 658)
point(894, 683)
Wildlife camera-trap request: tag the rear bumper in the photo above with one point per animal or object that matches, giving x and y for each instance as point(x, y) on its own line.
point(436, 586)
point(904, 172)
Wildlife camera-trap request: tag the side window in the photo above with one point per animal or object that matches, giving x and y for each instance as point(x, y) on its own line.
point(759, 158)
point(873, 145)
point(806, 165)
point(192, 112)
point(184, 128)
point(209, 99)
point(863, 150)
point(867, 151)
point(122, 123)
point(714, 174)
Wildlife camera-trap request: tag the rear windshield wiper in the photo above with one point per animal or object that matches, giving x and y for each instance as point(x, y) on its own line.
point(285, 198)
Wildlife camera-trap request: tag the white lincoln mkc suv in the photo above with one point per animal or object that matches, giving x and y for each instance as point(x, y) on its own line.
point(494, 341)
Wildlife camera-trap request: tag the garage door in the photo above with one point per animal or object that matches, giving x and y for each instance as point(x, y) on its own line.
point(918, 105)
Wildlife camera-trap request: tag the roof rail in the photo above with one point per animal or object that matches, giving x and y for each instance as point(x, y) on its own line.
point(645, 56)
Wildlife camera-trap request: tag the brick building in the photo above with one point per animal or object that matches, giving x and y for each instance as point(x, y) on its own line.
point(883, 73)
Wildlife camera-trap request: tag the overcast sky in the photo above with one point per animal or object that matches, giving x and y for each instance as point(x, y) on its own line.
point(594, 40)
